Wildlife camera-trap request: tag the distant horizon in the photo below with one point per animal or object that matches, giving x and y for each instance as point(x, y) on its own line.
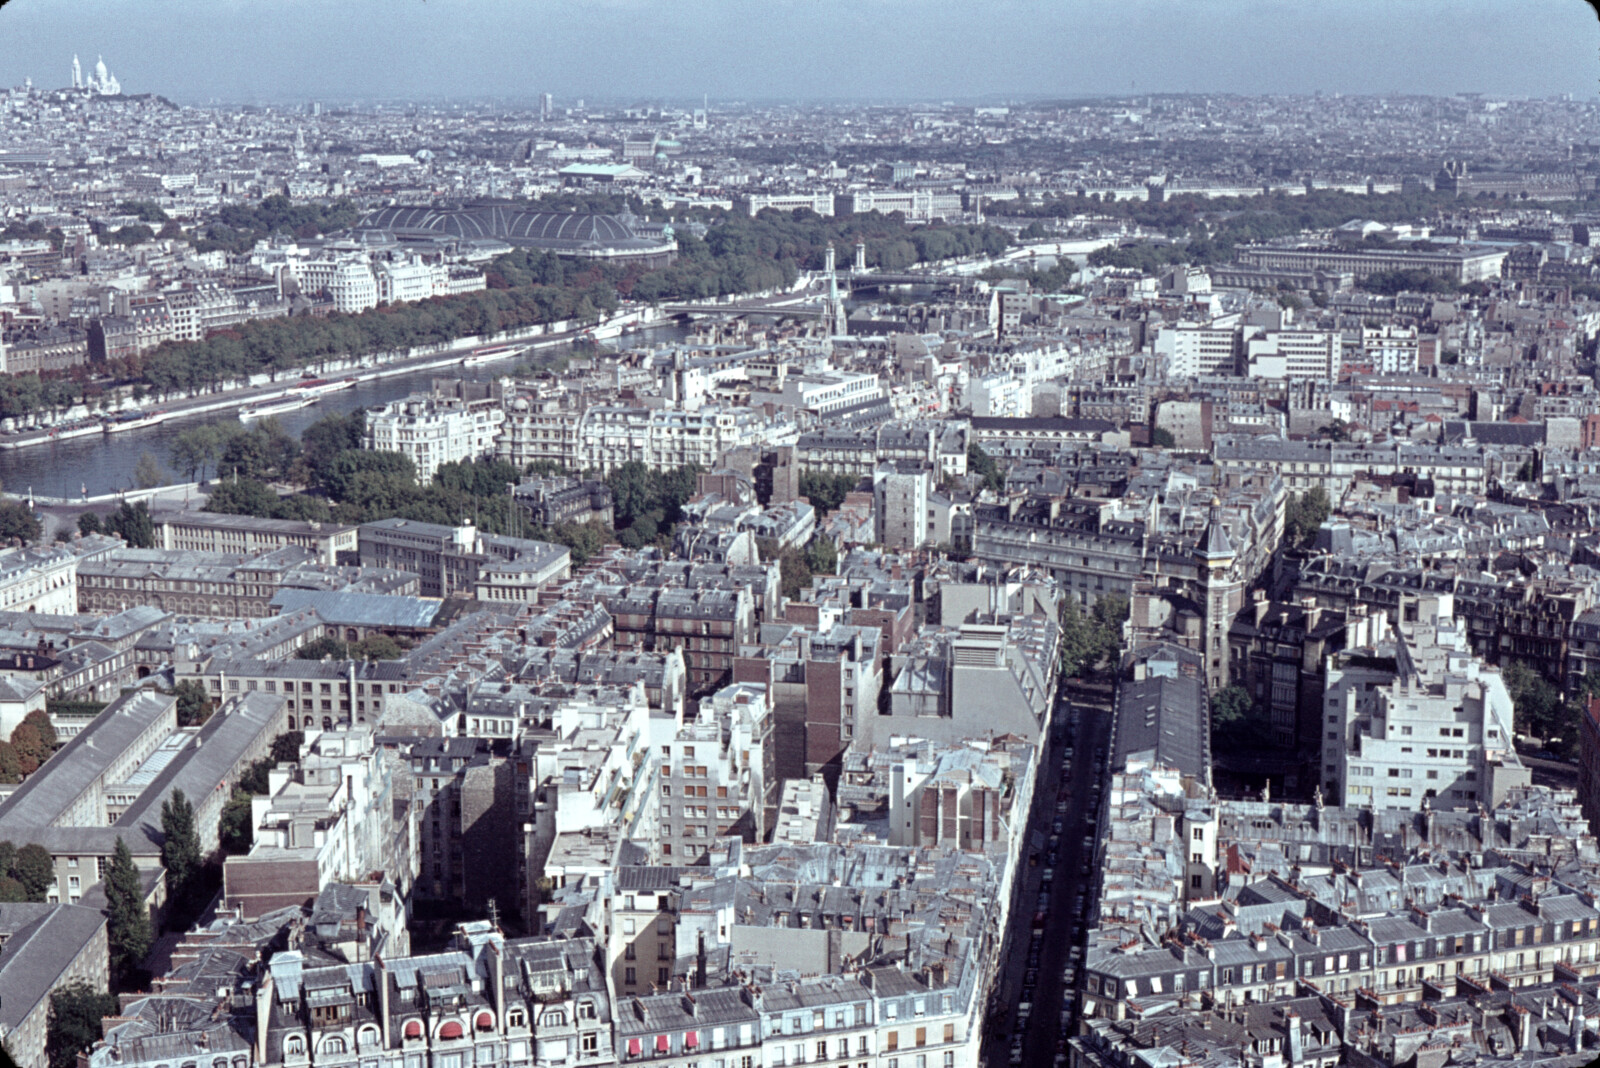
point(895, 52)
point(688, 103)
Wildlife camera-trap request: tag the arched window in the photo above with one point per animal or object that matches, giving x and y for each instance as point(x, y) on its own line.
point(517, 1018)
point(333, 1044)
point(369, 1035)
point(586, 1010)
point(413, 1028)
point(485, 1021)
point(553, 1018)
point(294, 1045)
point(450, 1030)
point(220, 1062)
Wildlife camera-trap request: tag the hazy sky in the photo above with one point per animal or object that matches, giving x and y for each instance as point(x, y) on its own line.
point(247, 50)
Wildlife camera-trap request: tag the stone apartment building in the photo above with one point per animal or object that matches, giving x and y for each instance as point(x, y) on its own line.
point(214, 532)
point(219, 585)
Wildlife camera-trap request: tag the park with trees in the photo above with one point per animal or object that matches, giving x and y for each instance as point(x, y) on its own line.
point(526, 287)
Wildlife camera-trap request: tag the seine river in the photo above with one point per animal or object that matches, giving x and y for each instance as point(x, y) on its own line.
point(104, 463)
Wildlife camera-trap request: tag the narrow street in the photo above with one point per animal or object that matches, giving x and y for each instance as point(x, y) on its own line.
point(1031, 992)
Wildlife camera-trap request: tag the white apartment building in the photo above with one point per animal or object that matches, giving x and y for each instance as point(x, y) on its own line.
point(328, 818)
point(435, 430)
point(407, 280)
point(1293, 354)
point(353, 288)
point(1434, 732)
point(39, 580)
point(829, 391)
point(1390, 349)
point(1192, 351)
point(713, 778)
point(609, 436)
point(537, 429)
point(193, 312)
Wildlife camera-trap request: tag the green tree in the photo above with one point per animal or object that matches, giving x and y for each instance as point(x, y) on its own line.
point(180, 849)
point(794, 574)
point(128, 934)
point(76, 1010)
point(826, 490)
point(10, 764)
point(286, 747)
point(376, 647)
point(254, 780)
point(583, 540)
point(1304, 515)
point(147, 474)
point(1162, 438)
point(31, 747)
point(983, 465)
point(196, 449)
point(194, 706)
point(1232, 710)
point(40, 720)
point(1082, 639)
point(17, 523)
point(1536, 703)
point(34, 868)
point(325, 647)
point(132, 523)
point(821, 556)
point(235, 831)
point(11, 890)
point(88, 523)
point(1110, 613)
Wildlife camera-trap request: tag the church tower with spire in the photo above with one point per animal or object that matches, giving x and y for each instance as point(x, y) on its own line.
point(1222, 595)
point(833, 316)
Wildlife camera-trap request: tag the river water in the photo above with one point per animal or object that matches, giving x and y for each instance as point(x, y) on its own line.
point(104, 463)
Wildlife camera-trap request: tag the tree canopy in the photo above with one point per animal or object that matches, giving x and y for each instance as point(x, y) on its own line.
point(180, 850)
point(76, 1009)
point(128, 935)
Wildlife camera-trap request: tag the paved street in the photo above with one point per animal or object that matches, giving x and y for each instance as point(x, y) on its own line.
point(1032, 972)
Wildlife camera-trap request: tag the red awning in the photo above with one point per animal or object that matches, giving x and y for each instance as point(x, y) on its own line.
point(691, 1039)
point(634, 1049)
point(662, 1045)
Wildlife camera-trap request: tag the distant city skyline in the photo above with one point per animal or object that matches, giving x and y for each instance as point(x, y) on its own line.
point(241, 51)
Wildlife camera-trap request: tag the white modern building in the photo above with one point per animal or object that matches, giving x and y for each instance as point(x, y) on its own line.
point(1192, 351)
point(1390, 349)
point(1417, 722)
point(1293, 354)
